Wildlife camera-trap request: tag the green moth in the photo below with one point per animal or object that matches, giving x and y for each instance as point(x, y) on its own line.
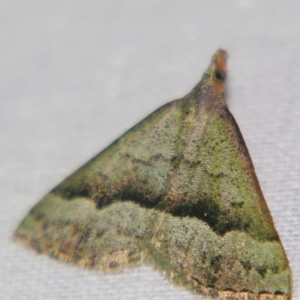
point(178, 191)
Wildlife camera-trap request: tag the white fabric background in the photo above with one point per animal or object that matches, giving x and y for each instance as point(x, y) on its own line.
point(77, 74)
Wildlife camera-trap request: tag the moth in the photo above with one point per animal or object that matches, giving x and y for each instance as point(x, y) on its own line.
point(177, 191)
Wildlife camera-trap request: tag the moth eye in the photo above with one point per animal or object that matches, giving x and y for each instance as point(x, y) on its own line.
point(219, 75)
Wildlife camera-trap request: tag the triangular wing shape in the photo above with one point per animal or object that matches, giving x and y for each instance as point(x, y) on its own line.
point(178, 190)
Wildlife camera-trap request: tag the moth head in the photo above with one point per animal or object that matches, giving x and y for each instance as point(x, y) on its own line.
point(217, 72)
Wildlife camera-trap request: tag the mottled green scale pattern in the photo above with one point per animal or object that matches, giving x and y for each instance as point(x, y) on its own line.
point(186, 248)
point(178, 190)
point(229, 182)
point(119, 170)
point(191, 168)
